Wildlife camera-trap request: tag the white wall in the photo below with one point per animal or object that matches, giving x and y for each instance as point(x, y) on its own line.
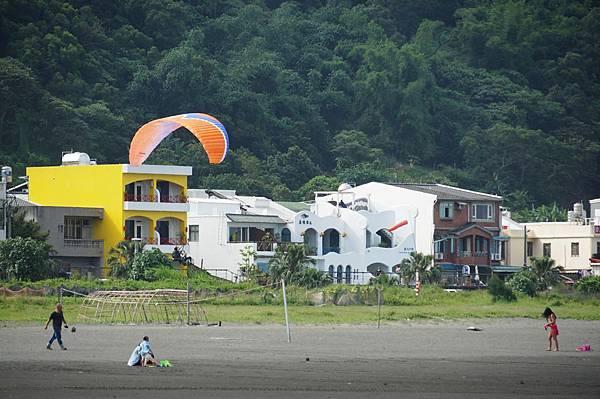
point(414, 206)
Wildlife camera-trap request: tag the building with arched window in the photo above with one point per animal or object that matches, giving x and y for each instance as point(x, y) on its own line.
point(146, 203)
point(343, 231)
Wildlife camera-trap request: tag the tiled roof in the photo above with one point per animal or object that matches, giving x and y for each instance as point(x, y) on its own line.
point(295, 206)
point(444, 192)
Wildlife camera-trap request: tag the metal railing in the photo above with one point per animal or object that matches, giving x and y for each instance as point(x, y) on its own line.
point(138, 197)
point(224, 274)
point(173, 199)
point(265, 246)
point(75, 243)
point(177, 199)
point(165, 241)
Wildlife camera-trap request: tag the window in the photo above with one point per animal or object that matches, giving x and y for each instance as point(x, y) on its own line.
point(482, 212)
point(574, 249)
point(446, 210)
point(439, 246)
point(73, 228)
point(286, 235)
point(547, 250)
point(194, 233)
point(529, 249)
point(239, 234)
point(481, 244)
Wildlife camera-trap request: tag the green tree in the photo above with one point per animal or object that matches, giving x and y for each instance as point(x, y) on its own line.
point(20, 226)
point(317, 183)
point(248, 267)
point(499, 291)
point(351, 147)
point(121, 257)
point(289, 261)
point(294, 167)
point(546, 271)
point(25, 259)
point(524, 281)
point(145, 262)
point(421, 264)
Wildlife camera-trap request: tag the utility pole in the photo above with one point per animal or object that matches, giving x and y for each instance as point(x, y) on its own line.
point(525, 246)
point(5, 178)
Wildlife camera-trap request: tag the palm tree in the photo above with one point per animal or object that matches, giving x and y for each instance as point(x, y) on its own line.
point(120, 257)
point(546, 271)
point(419, 263)
point(288, 262)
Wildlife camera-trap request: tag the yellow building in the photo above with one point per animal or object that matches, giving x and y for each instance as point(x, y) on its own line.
point(147, 202)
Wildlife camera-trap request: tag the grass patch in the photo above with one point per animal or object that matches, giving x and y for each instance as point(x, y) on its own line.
point(400, 304)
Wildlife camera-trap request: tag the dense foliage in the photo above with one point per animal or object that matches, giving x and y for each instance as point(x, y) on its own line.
point(499, 291)
point(501, 96)
point(147, 264)
point(524, 281)
point(589, 285)
point(291, 263)
point(25, 259)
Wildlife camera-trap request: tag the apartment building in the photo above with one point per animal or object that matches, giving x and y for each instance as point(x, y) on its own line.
point(574, 245)
point(467, 229)
point(110, 203)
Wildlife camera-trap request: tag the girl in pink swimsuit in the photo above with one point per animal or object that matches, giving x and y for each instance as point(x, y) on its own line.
point(553, 333)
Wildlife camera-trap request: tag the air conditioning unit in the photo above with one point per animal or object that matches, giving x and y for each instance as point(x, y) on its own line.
point(496, 256)
point(439, 256)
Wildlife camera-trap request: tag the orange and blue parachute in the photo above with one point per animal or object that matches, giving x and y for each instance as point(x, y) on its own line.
point(207, 129)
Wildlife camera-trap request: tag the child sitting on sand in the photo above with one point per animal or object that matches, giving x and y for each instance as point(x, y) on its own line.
point(142, 354)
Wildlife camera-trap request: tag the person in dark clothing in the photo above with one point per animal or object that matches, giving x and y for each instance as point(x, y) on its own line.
point(58, 318)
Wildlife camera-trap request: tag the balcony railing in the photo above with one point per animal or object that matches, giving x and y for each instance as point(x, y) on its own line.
point(327, 250)
point(263, 246)
point(138, 198)
point(178, 199)
point(163, 241)
point(75, 243)
point(173, 199)
point(469, 254)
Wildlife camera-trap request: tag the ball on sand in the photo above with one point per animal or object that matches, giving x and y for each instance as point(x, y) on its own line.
point(73, 329)
point(307, 359)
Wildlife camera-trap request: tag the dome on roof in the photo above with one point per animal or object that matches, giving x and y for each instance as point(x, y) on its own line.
point(344, 187)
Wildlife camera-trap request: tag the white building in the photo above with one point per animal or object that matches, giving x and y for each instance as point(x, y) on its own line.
point(572, 244)
point(347, 232)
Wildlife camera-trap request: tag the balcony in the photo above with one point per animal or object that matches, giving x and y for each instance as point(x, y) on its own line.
point(151, 202)
point(164, 244)
point(77, 247)
point(327, 250)
point(265, 246)
point(170, 199)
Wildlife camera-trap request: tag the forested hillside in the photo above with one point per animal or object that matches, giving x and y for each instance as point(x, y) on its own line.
point(499, 96)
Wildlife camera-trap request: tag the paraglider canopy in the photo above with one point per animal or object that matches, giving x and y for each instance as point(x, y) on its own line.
point(207, 129)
